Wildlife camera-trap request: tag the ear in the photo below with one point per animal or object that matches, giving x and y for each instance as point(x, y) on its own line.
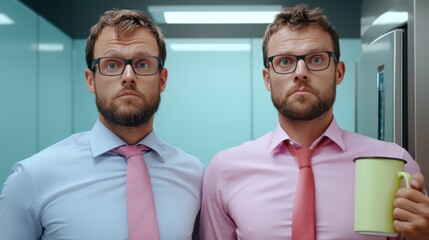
point(163, 79)
point(267, 79)
point(89, 76)
point(340, 71)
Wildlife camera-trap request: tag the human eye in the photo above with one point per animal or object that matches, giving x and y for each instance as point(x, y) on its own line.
point(285, 61)
point(317, 58)
point(111, 64)
point(142, 63)
point(145, 65)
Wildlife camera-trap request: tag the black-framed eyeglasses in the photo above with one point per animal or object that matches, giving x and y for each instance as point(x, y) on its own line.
point(115, 66)
point(286, 63)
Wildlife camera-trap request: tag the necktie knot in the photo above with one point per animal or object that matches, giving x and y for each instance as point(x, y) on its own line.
point(129, 151)
point(303, 156)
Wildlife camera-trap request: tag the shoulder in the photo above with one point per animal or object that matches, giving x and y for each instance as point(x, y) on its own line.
point(352, 139)
point(360, 145)
point(251, 147)
point(68, 149)
point(77, 140)
point(239, 156)
point(175, 155)
point(42, 165)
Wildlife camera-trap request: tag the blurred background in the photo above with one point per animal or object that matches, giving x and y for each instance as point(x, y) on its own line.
point(215, 96)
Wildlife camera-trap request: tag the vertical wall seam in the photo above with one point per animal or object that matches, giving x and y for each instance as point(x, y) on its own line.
point(38, 81)
point(252, 95)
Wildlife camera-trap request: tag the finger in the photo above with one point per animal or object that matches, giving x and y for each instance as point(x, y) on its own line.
point(411, 194)
point(406, 228)
point(413, 207)
point(418, 182)
point(412, 229)
point(401, 214)
point(409, 211)
point(404, 209)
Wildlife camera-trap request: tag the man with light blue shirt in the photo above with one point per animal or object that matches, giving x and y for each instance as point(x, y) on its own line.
point(75, 189)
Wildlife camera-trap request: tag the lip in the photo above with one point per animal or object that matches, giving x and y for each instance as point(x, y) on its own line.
point(301, 90)
point(128, 93)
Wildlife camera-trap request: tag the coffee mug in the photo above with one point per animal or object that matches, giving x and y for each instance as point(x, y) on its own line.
point(377, 180)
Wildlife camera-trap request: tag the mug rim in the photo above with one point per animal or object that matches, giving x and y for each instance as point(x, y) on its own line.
point(379, 157)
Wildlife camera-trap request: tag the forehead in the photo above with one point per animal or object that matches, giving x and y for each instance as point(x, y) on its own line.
point(139, 40)
point(300, 41)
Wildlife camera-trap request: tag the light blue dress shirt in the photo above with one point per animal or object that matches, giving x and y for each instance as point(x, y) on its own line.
point(75, 189)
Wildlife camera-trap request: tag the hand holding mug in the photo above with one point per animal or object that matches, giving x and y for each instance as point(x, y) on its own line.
point(411, 210)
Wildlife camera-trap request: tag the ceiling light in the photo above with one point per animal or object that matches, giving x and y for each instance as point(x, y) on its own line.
point(238, 47)
point(218, 17)
point(5, 20)
point(392, 18)
point(50, 47)
point(214, 14)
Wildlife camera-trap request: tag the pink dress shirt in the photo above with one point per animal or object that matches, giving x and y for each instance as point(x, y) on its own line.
point(248, 190)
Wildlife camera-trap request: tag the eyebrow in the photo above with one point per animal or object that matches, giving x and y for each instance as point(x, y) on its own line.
point(308, 52)
point(114, 53)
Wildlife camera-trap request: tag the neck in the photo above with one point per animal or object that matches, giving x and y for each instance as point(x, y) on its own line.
point(130, 135)
point(306, 132)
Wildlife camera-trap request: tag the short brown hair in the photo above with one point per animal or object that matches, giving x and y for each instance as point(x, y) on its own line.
point(124, 21)
point(298, 17)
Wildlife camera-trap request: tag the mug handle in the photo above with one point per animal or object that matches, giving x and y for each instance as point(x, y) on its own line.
point(406, 176)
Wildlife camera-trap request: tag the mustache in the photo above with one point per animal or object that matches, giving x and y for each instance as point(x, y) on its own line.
point(300, 88)
point(129, 90)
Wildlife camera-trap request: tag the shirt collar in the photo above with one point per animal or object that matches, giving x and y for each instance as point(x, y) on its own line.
point(102, 140)
point(333, 132)
point(154, 143)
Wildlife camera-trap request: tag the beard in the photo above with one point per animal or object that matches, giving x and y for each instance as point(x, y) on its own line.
point(136, 114)
point(310, 111)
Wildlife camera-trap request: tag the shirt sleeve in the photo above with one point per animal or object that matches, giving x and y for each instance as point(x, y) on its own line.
point(215, 221)
point(411, 166)
point(18, 220)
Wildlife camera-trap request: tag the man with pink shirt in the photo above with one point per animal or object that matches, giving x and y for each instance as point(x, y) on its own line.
point(248, 190)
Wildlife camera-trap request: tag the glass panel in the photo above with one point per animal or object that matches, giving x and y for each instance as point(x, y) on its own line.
point(18, 85)
point(55, 85)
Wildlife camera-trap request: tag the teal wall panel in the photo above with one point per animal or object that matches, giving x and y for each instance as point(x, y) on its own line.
point(35, 85)
point(84, 109)
point(18, 85)
point(345, 103)
point(207, 104)
point(55, 85)
point(264, 114)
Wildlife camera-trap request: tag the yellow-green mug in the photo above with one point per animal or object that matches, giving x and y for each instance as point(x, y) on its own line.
point(377, 180)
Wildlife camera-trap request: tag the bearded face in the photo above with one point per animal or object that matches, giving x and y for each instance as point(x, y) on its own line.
point(303, 108)
point(128, 112)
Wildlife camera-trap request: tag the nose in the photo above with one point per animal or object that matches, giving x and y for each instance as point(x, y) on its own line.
point(128, 76)
point(301, 71)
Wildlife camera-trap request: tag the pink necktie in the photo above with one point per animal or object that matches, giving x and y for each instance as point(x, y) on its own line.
point(303, 218)
point(142, 222)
